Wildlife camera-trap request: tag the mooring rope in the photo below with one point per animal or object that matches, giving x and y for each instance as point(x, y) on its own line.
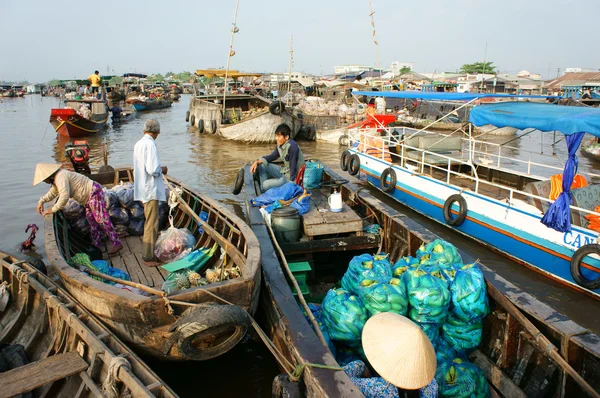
point(109, 386)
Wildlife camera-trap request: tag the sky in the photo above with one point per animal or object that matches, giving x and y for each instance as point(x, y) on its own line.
point(42, 40)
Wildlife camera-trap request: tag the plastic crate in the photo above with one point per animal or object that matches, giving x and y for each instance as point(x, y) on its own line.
point(300, 271)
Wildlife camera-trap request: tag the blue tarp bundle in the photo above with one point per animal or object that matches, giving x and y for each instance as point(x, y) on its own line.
point(426, 95)
point(285, 192)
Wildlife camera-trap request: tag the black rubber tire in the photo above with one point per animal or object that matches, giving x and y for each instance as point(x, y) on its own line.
point(230, 322)
point(200, 126)
point(344, 160)
point(210, 126)
point(277, 107)
point(187, 116)
point(192, 120)
point(353, 165)
point(283, 387)
point(344, 140)
point(239, 182)
point(385, 187)
point(576, 260)
point(462, 212)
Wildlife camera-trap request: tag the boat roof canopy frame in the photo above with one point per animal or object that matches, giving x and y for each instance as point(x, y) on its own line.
point(444, 96)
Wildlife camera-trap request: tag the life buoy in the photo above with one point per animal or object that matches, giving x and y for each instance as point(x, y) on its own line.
point(462, 210)
point(239, 182)
point(187, 116)
point(353, 165)
point(576, 260)
point(344, 140)
point(205, 332)
point(210, 126)
point(383, 183)
point(344, 160)
point(277, 107)
point(192, 120)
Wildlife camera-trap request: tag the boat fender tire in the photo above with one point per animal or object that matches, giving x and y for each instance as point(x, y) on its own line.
point(353, 165)
point(277, 107)
point(383, 183)
point(344, 160)
point(576, 260)
point(200, 126)
point(229, 322)
point(187, 116)
point(239, 182)
point(283, 387)
point(462, 210)
point(192, 120)
point(311, 133)
point(344, 140)
point(210, 126)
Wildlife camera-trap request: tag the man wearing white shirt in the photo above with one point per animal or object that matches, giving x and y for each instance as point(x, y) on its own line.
point(149, 187)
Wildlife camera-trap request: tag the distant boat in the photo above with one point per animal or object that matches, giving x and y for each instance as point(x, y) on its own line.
point(80, 118)
point(148, 104)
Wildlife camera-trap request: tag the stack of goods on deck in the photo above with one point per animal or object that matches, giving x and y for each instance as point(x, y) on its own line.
point(444, 297)
point(316, 106)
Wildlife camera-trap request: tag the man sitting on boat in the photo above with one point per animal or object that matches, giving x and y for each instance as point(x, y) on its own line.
point(148, 186)
point(89, 194)
point(271, 175)
point(95, 80)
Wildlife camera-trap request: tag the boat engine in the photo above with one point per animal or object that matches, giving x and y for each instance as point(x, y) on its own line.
point(78, 153)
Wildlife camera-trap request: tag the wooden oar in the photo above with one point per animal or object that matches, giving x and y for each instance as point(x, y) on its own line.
point(542, 341)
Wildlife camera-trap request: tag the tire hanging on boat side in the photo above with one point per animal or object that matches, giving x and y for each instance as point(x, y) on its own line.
point(239, 182)
point(576, 261)
point(187, 116)
point(192, 120)
point(383, 184)
point(344, 160)
point(277, 107)
point(353, 165)
point(210, 126)
point(462, 210)
point(344, 140)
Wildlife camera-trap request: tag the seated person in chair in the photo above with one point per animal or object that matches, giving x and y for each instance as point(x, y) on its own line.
point(271, 175)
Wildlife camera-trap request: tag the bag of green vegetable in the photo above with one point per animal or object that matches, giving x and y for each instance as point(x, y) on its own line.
point(432, 330)
point(462, 336)
point(428, 296)
point(344, 316)
point(365, 267)
point(384, 297)
point(403, 265)
point(440, 251)
point(459, 378)
point(445, 352)
point(468, 294)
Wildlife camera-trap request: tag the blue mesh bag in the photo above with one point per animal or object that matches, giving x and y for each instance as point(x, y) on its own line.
point(344, 316)
point(428, 296)
point(462, 336)
point(460, 378)
point(366, 268)
point(384, 297)
point(469, 294)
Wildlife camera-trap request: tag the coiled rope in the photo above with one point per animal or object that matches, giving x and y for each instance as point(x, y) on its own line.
point(109, 386)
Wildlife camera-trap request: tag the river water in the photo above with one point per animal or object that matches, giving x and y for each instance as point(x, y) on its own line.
point(208, 164)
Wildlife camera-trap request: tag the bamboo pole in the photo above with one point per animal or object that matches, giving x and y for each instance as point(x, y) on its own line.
point(229, 55)
point(542, 341)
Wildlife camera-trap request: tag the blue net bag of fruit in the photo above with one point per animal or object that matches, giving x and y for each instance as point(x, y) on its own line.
point(460, 378)
point(403, 265)
point(344, 316)
point(384, 297)
point(365, 267)
point(462, 336)
point(432, 330)
point(468, 294)
point(440, 251)
point(428, 296)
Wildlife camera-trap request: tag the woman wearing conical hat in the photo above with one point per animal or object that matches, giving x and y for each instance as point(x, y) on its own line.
point(89, 194)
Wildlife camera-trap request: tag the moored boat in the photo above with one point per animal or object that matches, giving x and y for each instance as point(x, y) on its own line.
point(591, 150)
point(187, 324)
point(58, 348)
point(143, 103)
point(517, 361)
point(79, 118)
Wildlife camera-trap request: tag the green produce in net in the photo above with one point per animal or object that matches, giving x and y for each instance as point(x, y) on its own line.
point(460, 378)
point(462, 336)
point(344, 316)
point(365, 267)
point(428, 296)
point(403, 265)
point(445, 352)
point(440, 251)
point(384, 297)
point(432, 330)
point(468, 294)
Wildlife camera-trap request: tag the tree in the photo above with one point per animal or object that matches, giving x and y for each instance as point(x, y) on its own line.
point(157, 77)
point(405, 69)
point(478, 67)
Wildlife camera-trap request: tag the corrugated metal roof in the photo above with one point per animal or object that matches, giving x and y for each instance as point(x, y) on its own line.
point(574, 79)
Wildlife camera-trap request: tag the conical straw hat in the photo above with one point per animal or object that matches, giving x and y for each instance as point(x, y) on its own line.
point(43, 171)
point(399, 350)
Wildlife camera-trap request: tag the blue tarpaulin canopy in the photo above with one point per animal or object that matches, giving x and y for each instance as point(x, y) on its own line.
point(440, 96)
point(544, 117)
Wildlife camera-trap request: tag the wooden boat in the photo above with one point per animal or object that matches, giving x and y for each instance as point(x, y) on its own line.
point(247, 118)
point(189, 324)
point(70, 122)
point(70, 353)
point(512, 355)
point(591, 150)
point(148, 104)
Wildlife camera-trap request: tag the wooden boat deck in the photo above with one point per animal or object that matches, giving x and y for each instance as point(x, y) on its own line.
point(320, 220)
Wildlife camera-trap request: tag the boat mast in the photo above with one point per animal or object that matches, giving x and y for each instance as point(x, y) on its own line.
point(231, 53)
point(290, 67)
point(371, 13)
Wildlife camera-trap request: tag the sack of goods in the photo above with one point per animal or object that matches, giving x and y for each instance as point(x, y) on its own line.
point(460, 335)
point(458, 378)
point(384, 297)
point(173, 244)
point(469, 298)
point(366, 267)
point(344, 316)
point(428, 296)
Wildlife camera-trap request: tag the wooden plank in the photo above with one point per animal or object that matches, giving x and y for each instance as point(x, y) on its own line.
point(134, 269)
point(321, 221)
point(496, 377)
point(154, 277)
point(36, 374)
point(365, 242)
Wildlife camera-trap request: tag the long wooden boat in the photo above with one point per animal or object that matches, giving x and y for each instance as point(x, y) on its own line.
point(68, 122)
point(69, 352)
point(514, 364)
point(591, 150)
point(148, 104)
point(188, 324)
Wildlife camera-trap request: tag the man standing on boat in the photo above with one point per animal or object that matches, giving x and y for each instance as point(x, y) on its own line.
point(271, 175)
point(95, 80)
point(149, 187)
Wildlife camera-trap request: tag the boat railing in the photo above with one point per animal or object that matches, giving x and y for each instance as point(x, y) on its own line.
point(435, 161)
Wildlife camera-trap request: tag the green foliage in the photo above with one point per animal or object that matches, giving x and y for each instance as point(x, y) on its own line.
point(405, 69)
point(157, 77)
point(115, 80)
point(54, 82)
point(478, 67)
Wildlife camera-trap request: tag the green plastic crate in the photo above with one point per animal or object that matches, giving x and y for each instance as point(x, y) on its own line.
point(300, 271)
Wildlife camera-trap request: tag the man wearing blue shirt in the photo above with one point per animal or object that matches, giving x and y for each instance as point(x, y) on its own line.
point(273, 176)
point(148, 186)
